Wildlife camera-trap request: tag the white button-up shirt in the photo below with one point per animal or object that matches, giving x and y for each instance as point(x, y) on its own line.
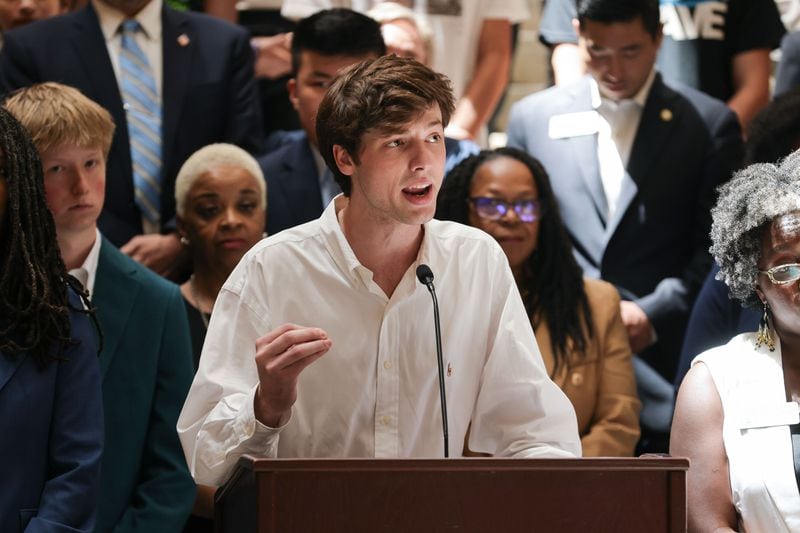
point(618, 124)
point(87, 272)
point(376, 392)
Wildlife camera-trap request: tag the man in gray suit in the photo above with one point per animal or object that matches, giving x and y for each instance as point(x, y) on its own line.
point(634, 166)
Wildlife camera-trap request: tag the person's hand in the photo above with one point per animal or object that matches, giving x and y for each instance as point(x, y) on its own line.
point(159, 253)
point(273, 55)
point(640, 331)
point(281, 355)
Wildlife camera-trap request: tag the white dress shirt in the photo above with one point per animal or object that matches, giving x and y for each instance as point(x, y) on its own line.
point(617, 126)
point(87, 272)
point(376, 392)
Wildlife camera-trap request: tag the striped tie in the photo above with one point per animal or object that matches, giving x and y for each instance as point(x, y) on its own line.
point(143, 114)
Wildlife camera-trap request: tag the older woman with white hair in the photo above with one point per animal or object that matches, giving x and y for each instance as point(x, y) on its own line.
point(221, 201)
point(737, 415)
point(220, 197)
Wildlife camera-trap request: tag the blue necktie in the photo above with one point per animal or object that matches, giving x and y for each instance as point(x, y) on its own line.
point(143, 114)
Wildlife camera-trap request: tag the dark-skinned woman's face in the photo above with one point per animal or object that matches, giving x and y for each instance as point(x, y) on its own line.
point(780, 245)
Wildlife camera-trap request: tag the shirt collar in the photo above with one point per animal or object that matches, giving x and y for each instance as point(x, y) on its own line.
point(640, 98)
point(340, 249)
point(110, 19)
point(89, 266)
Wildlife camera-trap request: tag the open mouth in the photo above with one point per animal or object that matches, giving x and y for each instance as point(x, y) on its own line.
point(418, 191)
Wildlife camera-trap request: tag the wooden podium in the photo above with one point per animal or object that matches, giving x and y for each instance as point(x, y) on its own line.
point(459, 495)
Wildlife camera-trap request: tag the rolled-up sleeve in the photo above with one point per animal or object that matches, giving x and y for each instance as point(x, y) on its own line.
point(218, 424)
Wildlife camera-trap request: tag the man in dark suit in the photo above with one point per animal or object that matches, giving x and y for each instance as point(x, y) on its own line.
point(202, 74)
point(634, 165)
point(299, 185)
point(145, 361)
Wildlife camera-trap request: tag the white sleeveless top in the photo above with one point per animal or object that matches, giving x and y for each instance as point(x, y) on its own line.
point(756, 434)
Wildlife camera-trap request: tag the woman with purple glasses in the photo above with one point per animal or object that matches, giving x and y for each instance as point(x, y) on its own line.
point(577, 322)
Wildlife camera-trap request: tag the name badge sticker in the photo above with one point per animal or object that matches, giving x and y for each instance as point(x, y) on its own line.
point(574, 125)
point(763, 416)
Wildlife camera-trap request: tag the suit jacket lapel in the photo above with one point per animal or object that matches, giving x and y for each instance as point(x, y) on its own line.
point(584, 150)
point(90, 45)
point(115, 292)
point(655, 126)
point(178, 45)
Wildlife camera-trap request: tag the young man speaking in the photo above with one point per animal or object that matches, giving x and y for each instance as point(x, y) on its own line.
point(321, 343)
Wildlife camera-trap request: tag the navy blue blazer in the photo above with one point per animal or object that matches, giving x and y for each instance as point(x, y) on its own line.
point(655, 247)
point(51, 437)
point(147, 367)
point(293, 193)
point(209, 94)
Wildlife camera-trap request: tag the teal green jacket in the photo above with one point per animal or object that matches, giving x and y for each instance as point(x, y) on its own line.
point(146, 365)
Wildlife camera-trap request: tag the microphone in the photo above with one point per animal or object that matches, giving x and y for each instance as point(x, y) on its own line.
point(425, 276)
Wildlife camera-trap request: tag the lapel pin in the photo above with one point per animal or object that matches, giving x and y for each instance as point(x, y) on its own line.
point(183, 39)
point(666, 115)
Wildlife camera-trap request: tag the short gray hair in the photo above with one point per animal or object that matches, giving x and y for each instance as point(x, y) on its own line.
point(747, 203)
point(212, 156)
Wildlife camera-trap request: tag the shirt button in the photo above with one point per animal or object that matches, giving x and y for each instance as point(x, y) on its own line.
point(385, 420)
point(387, 365)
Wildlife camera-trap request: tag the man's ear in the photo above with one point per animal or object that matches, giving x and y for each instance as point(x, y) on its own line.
point(291, 87)
point(576, 26)
point(344, 160)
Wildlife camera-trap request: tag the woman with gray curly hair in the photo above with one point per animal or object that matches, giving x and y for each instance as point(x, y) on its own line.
point(737, 415)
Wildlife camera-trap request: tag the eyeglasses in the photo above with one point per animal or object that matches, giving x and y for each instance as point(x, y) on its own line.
point(783, 274)
point(528, 209)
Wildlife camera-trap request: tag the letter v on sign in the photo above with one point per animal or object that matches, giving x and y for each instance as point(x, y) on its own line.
point(707, 21)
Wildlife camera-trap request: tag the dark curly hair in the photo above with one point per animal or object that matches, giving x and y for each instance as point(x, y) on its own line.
point(747, 204)
point(775, 132)
point(552, 286)
point(34, 304)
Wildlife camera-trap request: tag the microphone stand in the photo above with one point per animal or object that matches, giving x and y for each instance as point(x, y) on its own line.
point(425, 276)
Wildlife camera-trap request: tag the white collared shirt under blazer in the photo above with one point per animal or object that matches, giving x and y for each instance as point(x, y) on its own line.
point(756, 433)
point(376, 392)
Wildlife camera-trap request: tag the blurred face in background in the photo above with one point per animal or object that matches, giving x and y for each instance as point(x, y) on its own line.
point(315, 75)
point(15, 13)
point(504, 204)
point(224, 217)
point(619, 56)
point(403, 39)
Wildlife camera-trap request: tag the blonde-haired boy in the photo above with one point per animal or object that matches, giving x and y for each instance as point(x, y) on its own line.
point(146, 357)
